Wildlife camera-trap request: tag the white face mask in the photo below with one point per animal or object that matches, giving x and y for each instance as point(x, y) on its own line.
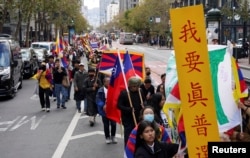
point(148, 117)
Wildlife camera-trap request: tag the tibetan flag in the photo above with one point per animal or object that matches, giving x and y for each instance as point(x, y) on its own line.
point(59, 44)
point(108, 60)
point(115, 87)
point(64, 61)
point(241, 89)
point(128, 67)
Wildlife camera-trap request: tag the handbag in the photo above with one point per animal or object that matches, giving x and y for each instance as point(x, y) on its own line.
point(65, 82)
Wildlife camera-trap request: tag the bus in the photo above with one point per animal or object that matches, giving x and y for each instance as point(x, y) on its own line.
point(126, 38)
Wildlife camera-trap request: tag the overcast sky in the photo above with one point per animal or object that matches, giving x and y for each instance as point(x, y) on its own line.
point(91, 3)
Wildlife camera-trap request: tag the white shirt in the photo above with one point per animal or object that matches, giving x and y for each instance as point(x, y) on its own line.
point(105, 92)
point(152, 147)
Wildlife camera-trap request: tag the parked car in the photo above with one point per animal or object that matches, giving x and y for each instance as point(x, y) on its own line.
point(30, 62)
point(11, 66)
point(41, 54)
point(47, 45)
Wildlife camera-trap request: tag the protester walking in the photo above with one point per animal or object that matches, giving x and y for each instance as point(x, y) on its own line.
point(147, 114)
point(59, 73)
point(148, 146)
point(101, 104)
point(44, 78)
point(79, 78)
point(128, 111)
point(91, 85)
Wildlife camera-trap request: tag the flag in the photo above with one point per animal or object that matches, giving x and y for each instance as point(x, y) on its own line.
point(64, 61)
point(241, 88)
point(116, 85)
point(224, 71)
point(128, 67)
point(104, 47)
point(224, 74)
point(59, 44)
point(94, 45)
point(108, 60)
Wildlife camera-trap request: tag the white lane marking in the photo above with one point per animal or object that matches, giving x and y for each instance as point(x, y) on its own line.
point(8, 124)
point(82, 117)
point(20, 121)
point(35, 124)
point(91, 134)
point(67, 136)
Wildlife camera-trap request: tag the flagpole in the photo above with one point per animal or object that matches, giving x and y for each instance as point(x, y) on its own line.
point(126, 85)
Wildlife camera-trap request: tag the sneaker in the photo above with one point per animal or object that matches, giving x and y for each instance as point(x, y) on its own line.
point(114, 140)
point(64, 107)
point(91, 123)
point(43, 109)
point(58, 106)
point(79, 110)
point(108, 140)
point(47, 110)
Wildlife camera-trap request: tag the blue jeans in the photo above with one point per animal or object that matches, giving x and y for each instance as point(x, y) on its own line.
point(69, 90)
point(78, 104)
point(60, 89)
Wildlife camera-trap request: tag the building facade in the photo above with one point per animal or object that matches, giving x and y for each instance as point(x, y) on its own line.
point(128, 4)
point(103, 4)
point(112, 11)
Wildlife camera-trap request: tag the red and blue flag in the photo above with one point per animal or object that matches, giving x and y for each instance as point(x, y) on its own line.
point(128, 66)
point(115, 87)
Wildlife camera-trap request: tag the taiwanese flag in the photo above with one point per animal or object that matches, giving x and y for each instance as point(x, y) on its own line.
point(128, 66)
point(115, 87)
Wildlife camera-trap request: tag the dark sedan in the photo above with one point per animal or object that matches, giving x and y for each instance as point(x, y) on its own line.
point(30, 61)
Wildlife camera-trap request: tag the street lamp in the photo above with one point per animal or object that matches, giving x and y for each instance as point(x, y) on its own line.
point(71, 33)
point(20, 27)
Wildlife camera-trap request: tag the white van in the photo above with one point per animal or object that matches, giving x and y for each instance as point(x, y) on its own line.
point(47, 45)
point(126, 38)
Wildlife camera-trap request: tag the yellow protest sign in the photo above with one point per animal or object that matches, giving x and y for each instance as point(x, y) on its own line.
point(195, 84)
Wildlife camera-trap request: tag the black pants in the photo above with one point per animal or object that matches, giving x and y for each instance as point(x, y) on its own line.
point(127, 130)
point(44, 93)
point(106, 122)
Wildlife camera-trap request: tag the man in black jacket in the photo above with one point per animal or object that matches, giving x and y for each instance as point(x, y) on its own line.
point(91, 86)
point(127, 110)
point(59, 73)
point(79, 77)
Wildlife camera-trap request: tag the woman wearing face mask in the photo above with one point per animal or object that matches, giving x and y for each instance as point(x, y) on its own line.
point(157, 101)
point(147, 113)
point(148, 146)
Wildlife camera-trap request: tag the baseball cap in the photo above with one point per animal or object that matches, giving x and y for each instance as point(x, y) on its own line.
point(81, 64)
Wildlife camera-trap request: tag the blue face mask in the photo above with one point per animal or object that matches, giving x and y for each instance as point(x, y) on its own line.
point(149, 117)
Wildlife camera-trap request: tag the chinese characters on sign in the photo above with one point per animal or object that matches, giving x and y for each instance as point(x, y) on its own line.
point(195, 85)
point(189, 31)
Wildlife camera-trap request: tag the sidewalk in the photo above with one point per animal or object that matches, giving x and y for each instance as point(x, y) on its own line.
point(244, 63)
point(154, 46)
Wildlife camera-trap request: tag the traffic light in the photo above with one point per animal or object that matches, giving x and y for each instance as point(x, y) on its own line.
point(151, 19)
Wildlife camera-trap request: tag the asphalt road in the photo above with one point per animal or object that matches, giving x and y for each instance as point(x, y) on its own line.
point(27, 132)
